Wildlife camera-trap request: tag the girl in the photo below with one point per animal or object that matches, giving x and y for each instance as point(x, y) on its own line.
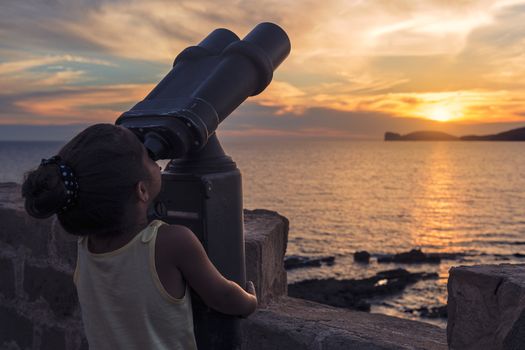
point(132, 277)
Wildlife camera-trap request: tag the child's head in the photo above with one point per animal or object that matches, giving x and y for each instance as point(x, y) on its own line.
point(113, 172)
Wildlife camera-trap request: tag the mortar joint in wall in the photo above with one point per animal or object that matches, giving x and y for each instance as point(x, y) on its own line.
point(319, 339)
point(73, 340)
point(51, 243)
point(37, 336)
point(18, 267)
point(7, 251)
point(41, 314)
point(51, 263)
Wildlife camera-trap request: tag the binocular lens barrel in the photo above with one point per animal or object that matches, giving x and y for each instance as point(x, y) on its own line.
point(217, 40)
point(207, 83)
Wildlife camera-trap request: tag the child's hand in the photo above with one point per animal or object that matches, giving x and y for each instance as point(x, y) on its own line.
point(250, 288)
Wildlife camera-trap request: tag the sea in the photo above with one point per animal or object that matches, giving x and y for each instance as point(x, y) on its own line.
point(383, 197)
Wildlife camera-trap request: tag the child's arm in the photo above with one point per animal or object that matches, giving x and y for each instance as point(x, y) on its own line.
point(216, 291)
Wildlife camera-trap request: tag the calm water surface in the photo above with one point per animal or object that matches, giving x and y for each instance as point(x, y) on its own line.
point(344, 196)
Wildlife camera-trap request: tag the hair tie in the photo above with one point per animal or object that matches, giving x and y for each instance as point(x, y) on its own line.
point(68, 178)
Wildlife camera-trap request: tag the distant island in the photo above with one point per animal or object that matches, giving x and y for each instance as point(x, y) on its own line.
point(511, 135)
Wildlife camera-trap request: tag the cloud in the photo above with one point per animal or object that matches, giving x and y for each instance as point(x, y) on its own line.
point(17, 66)
point(315, 133)
point(286, 97)
point(498, 50)
point(87, 61)
point(81, 105)
point(257, 121)
point(67, 88)
point(156, 30)
point(40, 73)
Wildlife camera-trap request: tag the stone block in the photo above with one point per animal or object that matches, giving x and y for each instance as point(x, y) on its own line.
point(12, 345)
point(19, 229)
point(290, 323)
point(46, 239)
point(63, 247)
point(53, 339)
point(266, 236)
point(7, 278)
point(15, 328)
point(55, 287)
point(84, 344)
point(486, 307)
point(11, 196)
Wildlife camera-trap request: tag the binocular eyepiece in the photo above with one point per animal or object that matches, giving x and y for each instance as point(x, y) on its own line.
point(207, 82)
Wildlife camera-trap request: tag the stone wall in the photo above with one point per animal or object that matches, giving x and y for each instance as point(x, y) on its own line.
point(39, 309)
point(290, 324)
point(38, 302)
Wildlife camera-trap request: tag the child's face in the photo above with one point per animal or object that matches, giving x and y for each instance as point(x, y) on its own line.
point(154, 174)
point(154, 179)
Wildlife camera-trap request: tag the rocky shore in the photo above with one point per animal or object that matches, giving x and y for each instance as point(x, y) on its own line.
point(353, 293)
point(357, 294)
point(362, 294)
point(295, 261)
point(416, 256)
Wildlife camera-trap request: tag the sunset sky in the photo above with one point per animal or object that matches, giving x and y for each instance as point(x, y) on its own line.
point(356, 70)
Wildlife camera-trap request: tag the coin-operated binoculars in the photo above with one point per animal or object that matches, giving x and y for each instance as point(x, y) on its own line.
point(201, 186)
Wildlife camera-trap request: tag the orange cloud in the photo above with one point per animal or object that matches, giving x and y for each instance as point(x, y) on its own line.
point(96, 104)
point(298, 133)
point(401, 58)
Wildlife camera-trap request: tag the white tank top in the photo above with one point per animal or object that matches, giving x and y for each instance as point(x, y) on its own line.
point(123, 303)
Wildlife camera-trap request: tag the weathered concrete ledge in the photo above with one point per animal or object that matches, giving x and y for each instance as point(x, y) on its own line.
point(39, 308)
point(299, 324)
point(486, 307)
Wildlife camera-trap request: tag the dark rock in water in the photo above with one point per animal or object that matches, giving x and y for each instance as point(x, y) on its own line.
point(430, 312)
point(362, 257)
point(519, 255)
point(351, 293)
point(331, 292)
point(446, 256)
point(415, 256)
point(296, 261)
point(502, 258)
point(434, 312)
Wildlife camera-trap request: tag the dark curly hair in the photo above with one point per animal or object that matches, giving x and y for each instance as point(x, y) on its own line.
point(108, 163)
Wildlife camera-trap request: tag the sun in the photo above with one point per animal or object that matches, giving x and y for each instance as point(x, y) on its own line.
point(440, 113)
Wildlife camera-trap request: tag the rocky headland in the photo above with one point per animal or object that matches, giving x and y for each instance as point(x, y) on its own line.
point(420, 136)
point(510, 135)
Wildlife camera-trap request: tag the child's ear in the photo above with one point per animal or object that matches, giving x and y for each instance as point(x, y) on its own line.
point(142, 191)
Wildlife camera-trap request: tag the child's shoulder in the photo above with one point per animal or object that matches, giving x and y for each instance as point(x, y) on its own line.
point(174, 232)
point(172, 238)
